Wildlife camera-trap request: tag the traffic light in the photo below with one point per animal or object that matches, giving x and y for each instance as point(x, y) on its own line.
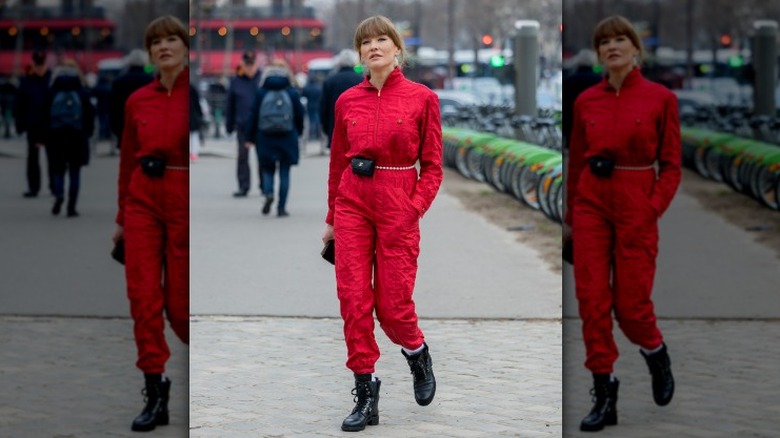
point(497, 61)
point(725, 40)
point(487, 39)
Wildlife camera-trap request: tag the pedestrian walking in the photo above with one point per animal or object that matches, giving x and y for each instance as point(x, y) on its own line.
point(32, 96)
point(312, 91)
point(344, 78)
point(274, 125)
point(383, 127)
point(133, 78)
point(71, 122)
point(623, 173)
point(153, 217)
point(241, 94)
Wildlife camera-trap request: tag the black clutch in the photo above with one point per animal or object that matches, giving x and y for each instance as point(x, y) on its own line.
point(568, 251)
point(329, 252)
point(118, 253)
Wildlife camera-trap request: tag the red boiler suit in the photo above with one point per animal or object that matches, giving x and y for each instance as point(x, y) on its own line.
point(615, 220)
point(155, 215)
point(376, 219)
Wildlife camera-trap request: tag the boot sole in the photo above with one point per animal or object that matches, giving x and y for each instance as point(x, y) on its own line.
point(610, 421)
point(373, 421)
point(161, 420)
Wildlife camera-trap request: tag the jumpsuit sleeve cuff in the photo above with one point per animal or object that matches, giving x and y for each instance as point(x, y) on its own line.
point(329, 218)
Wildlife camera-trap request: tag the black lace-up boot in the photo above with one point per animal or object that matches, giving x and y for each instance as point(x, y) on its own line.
point(604, 412)
point(661, 369)
point(424, 381)
point(155, 412)
point(366, 409)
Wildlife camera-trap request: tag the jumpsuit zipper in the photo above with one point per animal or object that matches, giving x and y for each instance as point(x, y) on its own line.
point(376, 115)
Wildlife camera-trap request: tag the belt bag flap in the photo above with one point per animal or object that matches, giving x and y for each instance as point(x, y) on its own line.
point(153, 166)
point(601, 166)
point(363, 166)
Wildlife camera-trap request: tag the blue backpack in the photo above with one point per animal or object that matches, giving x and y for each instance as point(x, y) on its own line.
point(66, 110)
point(276, 113)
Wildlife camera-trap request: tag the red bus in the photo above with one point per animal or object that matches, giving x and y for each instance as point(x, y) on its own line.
point(219, 39)
point(87, 40)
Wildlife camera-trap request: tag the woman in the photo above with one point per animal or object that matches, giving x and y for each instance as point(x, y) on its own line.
point(70, 124)
point(153, 213)
point(390, 123)
point(623, 173)
point(277, 141)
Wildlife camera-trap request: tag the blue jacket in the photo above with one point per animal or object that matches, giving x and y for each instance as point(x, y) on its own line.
point(239, 101)
point(283, 148)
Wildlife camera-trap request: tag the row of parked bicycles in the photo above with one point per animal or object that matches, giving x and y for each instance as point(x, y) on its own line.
point(544, 129)
point(533, 174)
point(749, 166)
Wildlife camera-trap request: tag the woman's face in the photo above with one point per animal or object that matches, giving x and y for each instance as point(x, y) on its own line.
point(617, 52)
point(168, 52)
point(379, 52)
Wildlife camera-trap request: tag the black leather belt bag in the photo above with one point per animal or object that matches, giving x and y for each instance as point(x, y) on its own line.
point(601, 166)
point(153, 167)
point(363, 166)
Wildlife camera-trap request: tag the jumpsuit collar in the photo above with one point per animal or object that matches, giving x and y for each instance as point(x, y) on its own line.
point(393, 78)
point(182, 80)
point(632, 78)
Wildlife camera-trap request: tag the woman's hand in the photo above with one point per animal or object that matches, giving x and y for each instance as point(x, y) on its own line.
point(118, 234)
point(328, 234)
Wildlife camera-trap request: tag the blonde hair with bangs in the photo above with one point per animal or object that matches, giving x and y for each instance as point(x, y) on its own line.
point(376, 26)
point(617, 25)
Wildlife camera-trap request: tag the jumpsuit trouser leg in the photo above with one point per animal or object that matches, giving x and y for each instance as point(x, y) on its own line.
point(156, 230)
point(616, 243)
point(376, 229)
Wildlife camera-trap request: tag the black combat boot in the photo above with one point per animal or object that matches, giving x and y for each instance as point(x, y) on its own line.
point(604, 412)
point(366, 409)
point(661, 369)
point(155, 412)
point(424, 381)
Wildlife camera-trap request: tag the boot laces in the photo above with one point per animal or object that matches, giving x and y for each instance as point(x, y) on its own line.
point(356, 392)
point(418, 368)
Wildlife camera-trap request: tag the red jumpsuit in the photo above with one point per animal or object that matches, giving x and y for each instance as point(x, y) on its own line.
point(155, 215)
point(376, 219)
point(615, 220)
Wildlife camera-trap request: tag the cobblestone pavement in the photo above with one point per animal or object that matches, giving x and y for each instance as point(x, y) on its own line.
point(726, 382)
point(285, 377)
point(75, 378)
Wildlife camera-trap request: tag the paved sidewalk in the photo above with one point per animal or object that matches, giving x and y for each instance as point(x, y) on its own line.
point(67, 354)
point(726, 382)
point(285, 377)
point(716, 298)
point(268, 352)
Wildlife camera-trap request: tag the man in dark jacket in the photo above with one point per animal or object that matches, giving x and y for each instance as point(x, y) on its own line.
point(32, 96)
point(123, 86)
point(336, 84)
point(239, 101)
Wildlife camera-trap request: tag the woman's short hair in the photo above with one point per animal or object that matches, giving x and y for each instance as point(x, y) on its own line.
point(164, 26)
point(376, 26)
point(613, 26)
